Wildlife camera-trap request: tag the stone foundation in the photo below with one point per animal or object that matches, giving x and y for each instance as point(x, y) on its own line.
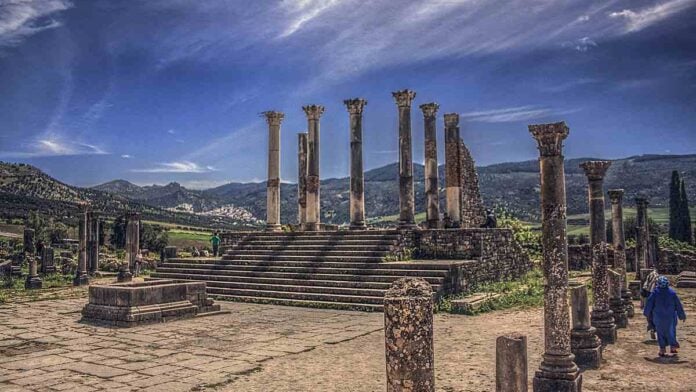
point(133, 304)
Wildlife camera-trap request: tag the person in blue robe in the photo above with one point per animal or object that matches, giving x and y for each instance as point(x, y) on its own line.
point(662, 309)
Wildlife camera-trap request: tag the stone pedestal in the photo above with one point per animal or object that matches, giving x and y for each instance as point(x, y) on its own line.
point(81, 276)
point(616, 303)
point(170, 252)
point(408, 332)
point(602, 317)
point(302, 179)
point(33, 281)
point(557, 372)
point(511, 363)
point(584, 342)
point(404, 98)
point(452, 170)
point(47, 263)
point(273, 183)
point(313, 113)
point(432, 199)
point(357, 186)
point(124, 274)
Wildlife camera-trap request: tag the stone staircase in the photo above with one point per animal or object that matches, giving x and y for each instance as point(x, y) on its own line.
point(344, 270)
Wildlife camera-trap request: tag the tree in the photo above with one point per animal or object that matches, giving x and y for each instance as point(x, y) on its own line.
point(153, 238)
point(686, 232)
point(674, 205)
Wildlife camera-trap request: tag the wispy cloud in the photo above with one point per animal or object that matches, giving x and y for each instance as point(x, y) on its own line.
point(560, 87)
point(177, 167)
point(54, 148)
point(303, 11)
point(520, 113)
point(581, 44)
point(645, 17)
point(126, 156)
point(20, 19)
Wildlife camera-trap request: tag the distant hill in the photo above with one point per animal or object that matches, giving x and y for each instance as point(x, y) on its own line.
point(514, 186)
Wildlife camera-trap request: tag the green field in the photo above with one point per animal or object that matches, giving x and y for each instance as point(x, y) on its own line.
point(659, 215)
point(184, 238)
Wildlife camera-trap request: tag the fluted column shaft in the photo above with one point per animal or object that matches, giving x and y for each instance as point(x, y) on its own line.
point(453, 178)
point(357, 183)
point(404, 98)
point(302, 179)
point(92, 241)
point(619, 240)
point(313, 113)
point(273, 183)
point(132, 238)
point(642, 234)
point(81, 277)
point(557, 371)
point(432, 200)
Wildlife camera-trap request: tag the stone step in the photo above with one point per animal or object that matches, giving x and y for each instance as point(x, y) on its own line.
point(302, 303)
point(297, 288)
point(286, 257)
point(314, 246)
point(206, 263)
point(309, 252)
point(297, 295)
point(320, 242)
point(286, 281)
point(314, 234)
point(184, 274)
point(312, 271)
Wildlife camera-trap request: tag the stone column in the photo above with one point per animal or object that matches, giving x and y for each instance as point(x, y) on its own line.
point(602, 317)
point(642, 234)
point(584, 342)
point(301, 179)
point(619, 243)
point(33, 281)
point(81, 276)
point(132, 238)
point(557, 371)
point(47, 261)
point(616, 303)
point(511, 363)
point(595, 172)
point(432, 200)
point(452, 169)
point(93, 242)
point(404, 98)
point(313, 113)
point(273, 184)
point(357, 184)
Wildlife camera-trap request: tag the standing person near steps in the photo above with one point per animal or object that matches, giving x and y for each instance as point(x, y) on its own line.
point(662, 309)
point(215, 241)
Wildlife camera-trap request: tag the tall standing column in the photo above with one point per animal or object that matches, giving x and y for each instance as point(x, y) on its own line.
point(302, 179)
point(33, 280)
point(81, 276)
point(313, 113)
point(132, 238)
point(602, 317)
point(642, 235)
point(404, 98)
point(453, 177)
point(557, 371)
point(273, 184)
point(432, 201)
point(619, 242)
point(357, 183)
point(92, 241)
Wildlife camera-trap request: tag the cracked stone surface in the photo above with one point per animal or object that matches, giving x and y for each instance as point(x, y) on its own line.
point(274, 348)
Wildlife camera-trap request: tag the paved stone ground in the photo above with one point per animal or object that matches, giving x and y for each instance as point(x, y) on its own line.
point(274, 348)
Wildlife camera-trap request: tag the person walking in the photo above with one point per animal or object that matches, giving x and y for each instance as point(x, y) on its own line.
point(215, 241)
point(662, 309)
point(138, 263)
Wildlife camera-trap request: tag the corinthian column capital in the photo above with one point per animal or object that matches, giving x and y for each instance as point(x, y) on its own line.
point(429, 109)
point(550, 137)
point(273, 117)
point(595, 170)
point(355, 105)
point(313, 112)
point(404, 98)
point(615, 195)
point(451, 120)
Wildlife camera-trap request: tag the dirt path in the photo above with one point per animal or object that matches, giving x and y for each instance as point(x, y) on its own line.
point(465, 358)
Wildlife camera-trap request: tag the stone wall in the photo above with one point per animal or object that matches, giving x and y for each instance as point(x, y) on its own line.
point(673, 263)
point(579, 257)
point(472, 212)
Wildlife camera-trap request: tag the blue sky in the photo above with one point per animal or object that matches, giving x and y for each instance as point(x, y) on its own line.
point(171, 90)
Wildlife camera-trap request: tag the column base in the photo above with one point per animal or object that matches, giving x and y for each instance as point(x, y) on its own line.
point(33, 283)
point(433, 224)
point(557, 373)
point(358, 226)
point(628, 303)
point(274, 228)
point(312, 226)
point(81, 279)
point(408, 225)
point(619, 310)
point(124, 276)
point(587, 348)
point(546, 384)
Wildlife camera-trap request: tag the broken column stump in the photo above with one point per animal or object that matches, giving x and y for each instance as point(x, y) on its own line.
point(584, 342)
point(408, 333)
point(616, 303)
point(511, 363)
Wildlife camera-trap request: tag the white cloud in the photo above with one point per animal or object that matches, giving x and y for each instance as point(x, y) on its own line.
point(302, 12)
point(20, 19)
point(581, 45)
point(126, 156)
point(177, 167)
point(645, 17)
point(171, 131)
point(520, 113)
point(53, 147)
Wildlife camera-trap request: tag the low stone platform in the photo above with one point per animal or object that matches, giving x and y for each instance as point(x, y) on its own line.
point(136, 303)
point(687, 279)
point(473, 303)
